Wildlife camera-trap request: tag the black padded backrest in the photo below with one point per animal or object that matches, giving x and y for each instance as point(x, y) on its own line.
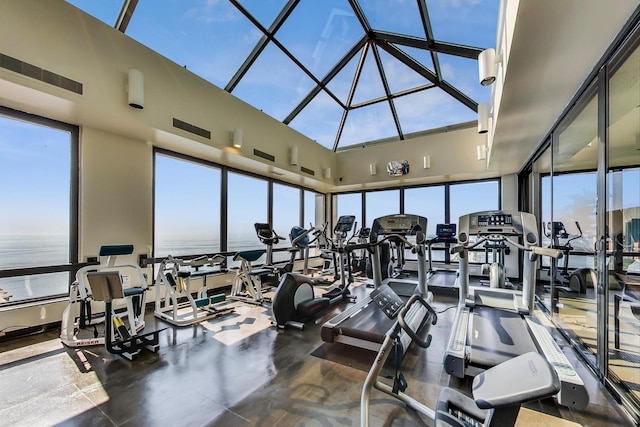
point(109, 250)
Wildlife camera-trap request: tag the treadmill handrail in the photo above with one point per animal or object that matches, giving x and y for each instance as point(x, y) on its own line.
point(432, 316)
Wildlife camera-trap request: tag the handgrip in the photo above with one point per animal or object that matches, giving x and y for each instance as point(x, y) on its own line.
point(553, 253)
point(403, 311)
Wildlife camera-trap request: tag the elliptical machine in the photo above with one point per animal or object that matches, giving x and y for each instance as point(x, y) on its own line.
point(577, 280)
point(295, 302)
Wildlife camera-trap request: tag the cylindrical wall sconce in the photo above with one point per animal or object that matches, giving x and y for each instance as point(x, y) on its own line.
point(136, 89)
point(426, 162)
point(483, 118)
point(373, 168)
point(293, 156)
point(326, 173)
point(487, 66)
point(481, 152)
point(236, 138)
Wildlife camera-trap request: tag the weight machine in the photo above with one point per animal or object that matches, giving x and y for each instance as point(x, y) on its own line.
point(79, 315)
point(174, 277)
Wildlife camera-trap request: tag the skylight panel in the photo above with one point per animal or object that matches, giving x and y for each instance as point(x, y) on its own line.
point(401, 17)
point(368, 124)
point(400, 77)
point(274, 84)
point(370, 82)
point(463, 74)
point(319, 120)
point(209, 39)
point(431, 109)
point(319, 33)
point(265, 11)
point(466, 22)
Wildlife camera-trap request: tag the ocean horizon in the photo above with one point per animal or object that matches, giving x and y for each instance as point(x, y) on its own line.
point(34, 251)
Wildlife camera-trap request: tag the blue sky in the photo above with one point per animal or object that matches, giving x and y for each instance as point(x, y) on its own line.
point(212, 39)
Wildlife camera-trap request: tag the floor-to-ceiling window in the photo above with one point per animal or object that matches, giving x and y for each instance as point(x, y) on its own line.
point(38, 219)
point(381, 203)
point(589, 207)
point(286, 214)
point(468, 197)
point(187, 207)
point(573, 214)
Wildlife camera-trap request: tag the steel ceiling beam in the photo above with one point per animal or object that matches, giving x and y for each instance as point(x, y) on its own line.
point(128, 7)
point(420, 69)
point(352, 91)
point(387, 92)
point(357, 47)
point(268, 34)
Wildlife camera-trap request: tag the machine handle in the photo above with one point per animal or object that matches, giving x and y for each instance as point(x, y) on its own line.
point(553, 253)
point(403, 311)
point(295, 241)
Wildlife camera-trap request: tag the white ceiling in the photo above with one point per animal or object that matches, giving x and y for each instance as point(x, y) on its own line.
point(555, 46)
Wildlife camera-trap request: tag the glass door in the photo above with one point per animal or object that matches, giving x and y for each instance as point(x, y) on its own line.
point(623, 225)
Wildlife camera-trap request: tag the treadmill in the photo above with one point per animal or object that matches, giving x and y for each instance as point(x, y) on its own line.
point(493, 325)
point(366, 323)
point(441, 279)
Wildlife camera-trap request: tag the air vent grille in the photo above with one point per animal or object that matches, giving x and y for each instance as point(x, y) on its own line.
point(264, 155)
point(38, 73)
point(307, 170)
point(191, 128)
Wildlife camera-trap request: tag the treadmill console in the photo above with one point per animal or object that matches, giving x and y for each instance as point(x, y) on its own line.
point(445, 233)
point(345, 224)
point(403, 224)
point(501, 223)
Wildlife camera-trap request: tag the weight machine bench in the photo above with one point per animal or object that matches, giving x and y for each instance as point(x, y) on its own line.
point(107, 286)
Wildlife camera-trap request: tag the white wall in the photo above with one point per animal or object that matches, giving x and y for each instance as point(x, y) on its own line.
point(453, 157)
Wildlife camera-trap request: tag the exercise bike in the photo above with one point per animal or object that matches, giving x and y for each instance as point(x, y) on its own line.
point(496, 397)
point(578, 280)
point(295, 302)
point(249, 283)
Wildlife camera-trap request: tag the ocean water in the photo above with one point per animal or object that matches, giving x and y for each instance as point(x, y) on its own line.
point(34, 251)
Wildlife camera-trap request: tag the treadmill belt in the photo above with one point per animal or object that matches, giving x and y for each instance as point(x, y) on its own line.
point(497, 336)
point(403, 289)
point(370, 324)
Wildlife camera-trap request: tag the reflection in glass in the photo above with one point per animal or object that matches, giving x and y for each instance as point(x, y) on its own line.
point(574, 198)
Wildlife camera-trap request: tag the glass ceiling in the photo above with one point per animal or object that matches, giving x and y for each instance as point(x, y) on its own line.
point(341, 72)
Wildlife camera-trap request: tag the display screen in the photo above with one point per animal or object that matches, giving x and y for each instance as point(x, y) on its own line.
point(494, 220)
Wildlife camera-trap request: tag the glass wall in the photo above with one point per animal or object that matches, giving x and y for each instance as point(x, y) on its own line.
point(286, 214)
point(623, 223)
point(38, 219)
point(349, 204)
point(471, 197)
point(573, 215)
point(428, 201)
point(380, 203)
point(190, 228)
point(197, 228)
point(589, 208)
